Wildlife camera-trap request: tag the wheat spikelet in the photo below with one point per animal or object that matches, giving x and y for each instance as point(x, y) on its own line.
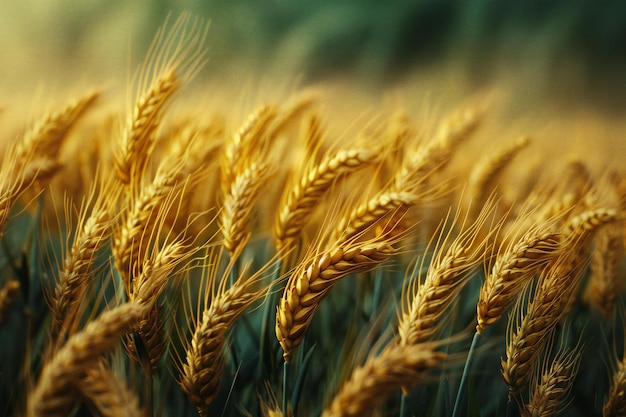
point(202, 369)
point(605, 283)
point(381, 376)
point(437, 152)
point(514, 266)
point(550, 389)
point(137, 141)
point(362, 217)
point(108, 394)
point(171, 60)
point(76, 271)
point(581, 227)
point(150, 332)
point(8, 293)
point(555, 289)
point(447, 274)
point(56, 389)
point(236, 213)
point(130, 240)
point(45, 138)
point(313, 279)
point(237, 151)
point(615, 403)
point(299, 202)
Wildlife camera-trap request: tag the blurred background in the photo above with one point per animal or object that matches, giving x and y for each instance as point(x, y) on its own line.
point(568, 51)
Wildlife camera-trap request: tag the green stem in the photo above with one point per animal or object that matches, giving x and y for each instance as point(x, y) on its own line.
point(285, 384)
point(461, 394)
point(403, 407)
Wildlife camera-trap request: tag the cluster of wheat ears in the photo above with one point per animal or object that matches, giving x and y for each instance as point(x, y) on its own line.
point(355, 270)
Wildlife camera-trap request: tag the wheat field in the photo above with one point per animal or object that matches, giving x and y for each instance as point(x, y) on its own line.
point(170, 257)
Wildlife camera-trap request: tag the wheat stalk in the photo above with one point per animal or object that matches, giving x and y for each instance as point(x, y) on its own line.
point(381, 376)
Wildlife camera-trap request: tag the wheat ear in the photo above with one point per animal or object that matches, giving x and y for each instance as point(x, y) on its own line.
point(313, 279)
point(381, 376)
point(555, 289)
point(236, 214)
point(512, 270)
point(447, 273)
point(139, 135)
point(110, 396)
point(202, 370)
point(172, 59)
point(605, 283)
point(615, 403)
point(76, 271)
point(45, 138)
point(436, 153)
point(56, 389)
point(365, 215)
point(130, 240)
point(299, 202)
point(237, 151)
point(8, 293)
point(549, 391)
point(486, 173)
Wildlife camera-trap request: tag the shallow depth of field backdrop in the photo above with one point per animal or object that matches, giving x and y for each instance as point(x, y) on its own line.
point(552, 70)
